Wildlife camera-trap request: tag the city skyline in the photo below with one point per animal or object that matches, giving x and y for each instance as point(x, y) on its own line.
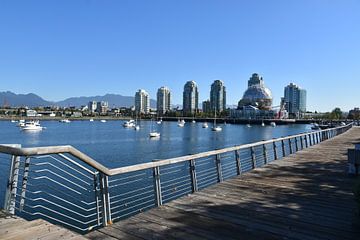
point(88, 48)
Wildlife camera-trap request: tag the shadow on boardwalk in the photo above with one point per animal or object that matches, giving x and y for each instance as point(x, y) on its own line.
point(307, 195)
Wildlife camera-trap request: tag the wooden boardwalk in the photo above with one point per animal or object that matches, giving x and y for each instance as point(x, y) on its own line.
point(307, 195)
point(17, 228)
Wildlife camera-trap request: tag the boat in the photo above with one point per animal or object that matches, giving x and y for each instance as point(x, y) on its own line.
point(159, 122)
point(129, 124)
point(273, 124)
point(248, 125)
point(65, 121)
point(91, 120)
point(32, 126)
point(193, 121)
point(262, 124)
point(181, 123)
point(103, 120)
point(13, 121)
point(205, 125)
point(153, 133)
point(21, 123)
point(137, 127)
point(315, 126)
point(216, 128)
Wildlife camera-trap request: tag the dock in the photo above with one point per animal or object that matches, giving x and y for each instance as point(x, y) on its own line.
point(13, 227)
point(306, 195)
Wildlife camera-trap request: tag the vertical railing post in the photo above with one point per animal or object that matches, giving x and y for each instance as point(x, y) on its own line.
point(265, 154)
point(194, 185)
point(24, 182)
point(238, 162)
point(157, 186)
point(105, 197)
point(290, 146)
point(218, 167)
point(301, 142)
point(283, 148)
point(96, 180)
point(296, 145)
point(275, 153)
point(310, 140)
point(11, 191)
point(306, 141)
point(317, 137)
point(253, 157)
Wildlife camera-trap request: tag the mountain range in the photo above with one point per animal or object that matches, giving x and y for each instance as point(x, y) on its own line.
point(32, 100)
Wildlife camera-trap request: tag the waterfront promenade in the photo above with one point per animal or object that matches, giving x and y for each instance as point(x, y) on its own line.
point(307, 195)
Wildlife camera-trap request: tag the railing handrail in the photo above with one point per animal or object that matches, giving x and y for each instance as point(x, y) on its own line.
point(142, 166)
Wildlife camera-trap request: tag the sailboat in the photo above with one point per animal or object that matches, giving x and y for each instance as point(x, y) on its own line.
point(216, 128)
point(136, 125)
point(153, 133)
point(263, 124)
point(205, 125)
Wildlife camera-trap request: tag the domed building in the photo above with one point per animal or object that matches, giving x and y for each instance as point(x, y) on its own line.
point(257, 95)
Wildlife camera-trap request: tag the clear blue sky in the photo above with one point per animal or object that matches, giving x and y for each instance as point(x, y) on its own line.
point(60, 49)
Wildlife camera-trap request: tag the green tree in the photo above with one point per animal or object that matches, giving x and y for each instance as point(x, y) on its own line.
point(336, 114)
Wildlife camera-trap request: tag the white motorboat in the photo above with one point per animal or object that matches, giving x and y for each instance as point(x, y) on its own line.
point(154, 134)
point(103, 120)
point(129, 124)
point(205, 125)
point(32, 126)
point(159, 122)
point(137, 127)
point(273, 124)
point(65, 121)
point(13, 121)
point(315, 126)
point(181, 124)
point(91, 119)
point(263, 124)
point(248, 125)
point(21, 123)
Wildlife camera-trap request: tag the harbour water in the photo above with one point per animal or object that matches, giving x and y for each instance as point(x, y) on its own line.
point(114, 146)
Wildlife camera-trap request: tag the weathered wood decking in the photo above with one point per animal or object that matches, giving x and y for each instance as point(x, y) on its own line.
point(12, 227)
point(307, 195)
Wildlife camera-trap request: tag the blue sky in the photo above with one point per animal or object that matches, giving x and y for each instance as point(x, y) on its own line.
point(60, 49)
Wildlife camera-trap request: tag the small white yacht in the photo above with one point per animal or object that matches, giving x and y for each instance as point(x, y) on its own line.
point(91, 119)
point(32, 126)
point(13, 121)
point(262, 124)
point(154, 134)
point(205, 125)
point(103, 120)
point(129, 124)
point(159, 122)
point(137, 127)
point(248, 125)
point(273, 124)
point(21, 123)
point(216, 128)
point(65, 121)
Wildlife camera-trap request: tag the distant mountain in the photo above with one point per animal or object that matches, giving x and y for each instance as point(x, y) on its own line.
point(33, 100)
point(18, 100)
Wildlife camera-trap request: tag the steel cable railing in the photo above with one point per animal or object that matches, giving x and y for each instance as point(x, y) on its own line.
point(63, 185)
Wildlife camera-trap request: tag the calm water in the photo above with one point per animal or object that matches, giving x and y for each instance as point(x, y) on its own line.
point(115, 146)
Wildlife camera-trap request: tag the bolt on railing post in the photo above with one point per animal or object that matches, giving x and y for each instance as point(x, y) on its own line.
point(24, 182)
point(96, 176)
point(11, 191)
point(194, 185)
point(218, 168)
point(275, 153)
point(253, 157)
point(290, 146)
point(265, 154)
point(157, 186)
point(238, 162)
point(296, 145)
point(283, 148)
point(104, 189)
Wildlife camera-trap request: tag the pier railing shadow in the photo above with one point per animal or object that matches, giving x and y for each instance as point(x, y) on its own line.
point(67, 187)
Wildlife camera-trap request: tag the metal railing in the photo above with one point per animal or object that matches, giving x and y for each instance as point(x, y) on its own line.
point(65, 186)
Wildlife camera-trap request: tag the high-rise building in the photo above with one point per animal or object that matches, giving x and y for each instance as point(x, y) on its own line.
point(102, 107)
point(92, 106)
point(163, 100)
point(142, 101)
point(206, 107)
point(295, 100)
point(190, 98)
point(218, 96)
